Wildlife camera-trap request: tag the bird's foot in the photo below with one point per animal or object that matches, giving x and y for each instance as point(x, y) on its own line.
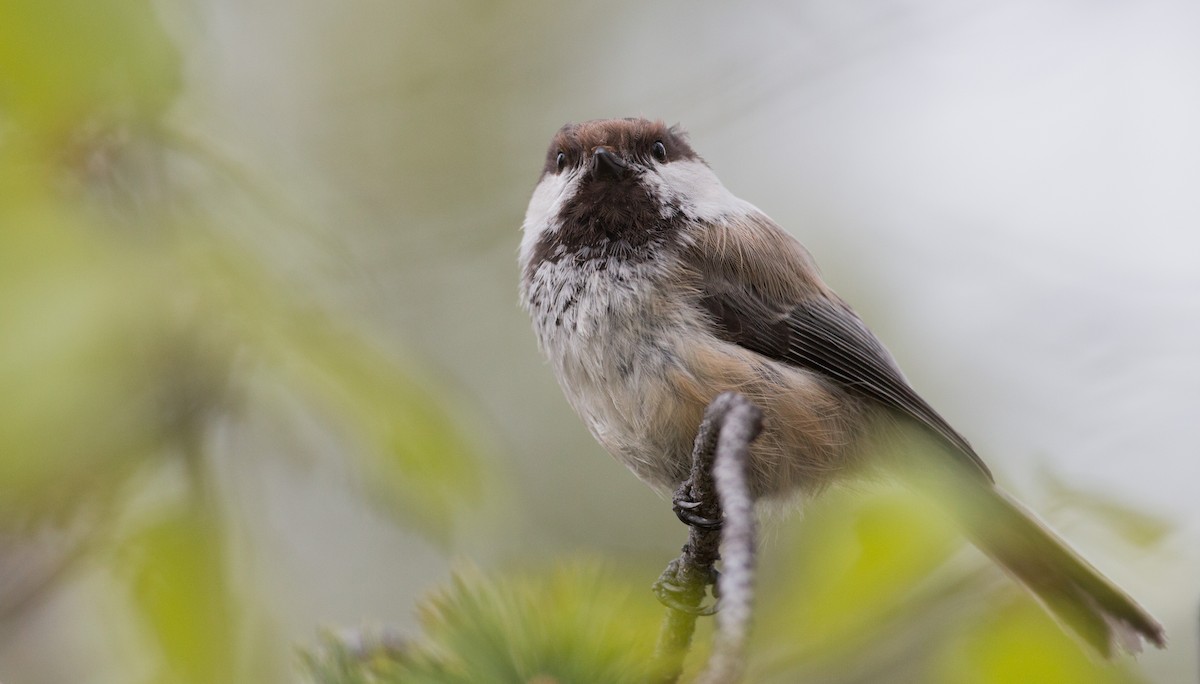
point(674, 592)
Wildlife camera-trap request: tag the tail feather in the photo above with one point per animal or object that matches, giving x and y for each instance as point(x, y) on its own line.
point(1068, 586)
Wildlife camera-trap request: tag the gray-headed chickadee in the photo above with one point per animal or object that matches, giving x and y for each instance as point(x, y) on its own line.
point(653, 289)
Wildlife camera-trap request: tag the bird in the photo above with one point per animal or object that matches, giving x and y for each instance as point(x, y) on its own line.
point(652, 289)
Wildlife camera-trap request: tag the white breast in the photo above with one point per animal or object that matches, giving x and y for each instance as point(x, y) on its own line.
point(610, 334)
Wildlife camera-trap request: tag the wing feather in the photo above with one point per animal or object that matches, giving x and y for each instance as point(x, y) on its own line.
point(816, 331)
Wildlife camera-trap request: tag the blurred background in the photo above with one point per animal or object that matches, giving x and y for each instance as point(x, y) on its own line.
point(263, 371)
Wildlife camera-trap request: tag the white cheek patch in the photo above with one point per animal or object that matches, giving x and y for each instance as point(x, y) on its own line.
point(544, 207)
point(697, 191)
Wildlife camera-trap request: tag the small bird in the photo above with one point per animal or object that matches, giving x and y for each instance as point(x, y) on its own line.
point(653, 289)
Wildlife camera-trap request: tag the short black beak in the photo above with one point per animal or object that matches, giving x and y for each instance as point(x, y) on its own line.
point(608, 165)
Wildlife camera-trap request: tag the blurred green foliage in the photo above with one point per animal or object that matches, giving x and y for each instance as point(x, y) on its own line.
point(1018, 642)
point(872, 586)
point(878, 584)
point(63, 61)
point(181, 590)
point(133, 324)
point(858, 555)
point(575, 623)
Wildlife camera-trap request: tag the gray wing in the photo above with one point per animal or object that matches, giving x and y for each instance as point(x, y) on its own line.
point(825, 336)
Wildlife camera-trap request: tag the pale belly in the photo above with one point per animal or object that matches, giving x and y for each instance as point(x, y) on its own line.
point(640, 370)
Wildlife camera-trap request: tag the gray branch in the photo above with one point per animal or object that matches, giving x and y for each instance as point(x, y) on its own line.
point(718, 488)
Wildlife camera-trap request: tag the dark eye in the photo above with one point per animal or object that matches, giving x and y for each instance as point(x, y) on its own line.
point(659, 151)
point(561, 160)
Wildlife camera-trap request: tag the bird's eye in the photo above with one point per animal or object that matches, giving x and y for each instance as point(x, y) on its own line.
point(659, 151)
point(561, 160)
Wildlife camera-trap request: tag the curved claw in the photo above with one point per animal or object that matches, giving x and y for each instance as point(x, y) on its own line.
point(683, 511)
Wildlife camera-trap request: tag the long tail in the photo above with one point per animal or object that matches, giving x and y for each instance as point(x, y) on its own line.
point(1067, 585)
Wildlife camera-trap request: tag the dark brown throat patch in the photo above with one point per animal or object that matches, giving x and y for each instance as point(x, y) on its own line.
point(607, 218)
point(611, 215)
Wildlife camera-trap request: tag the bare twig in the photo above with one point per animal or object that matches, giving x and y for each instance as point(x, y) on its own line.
point(716, 492)
point(736, 586)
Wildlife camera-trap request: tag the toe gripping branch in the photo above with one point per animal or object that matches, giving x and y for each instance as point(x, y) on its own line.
point(715, 503)
point(683, 584)
point(688, 510)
